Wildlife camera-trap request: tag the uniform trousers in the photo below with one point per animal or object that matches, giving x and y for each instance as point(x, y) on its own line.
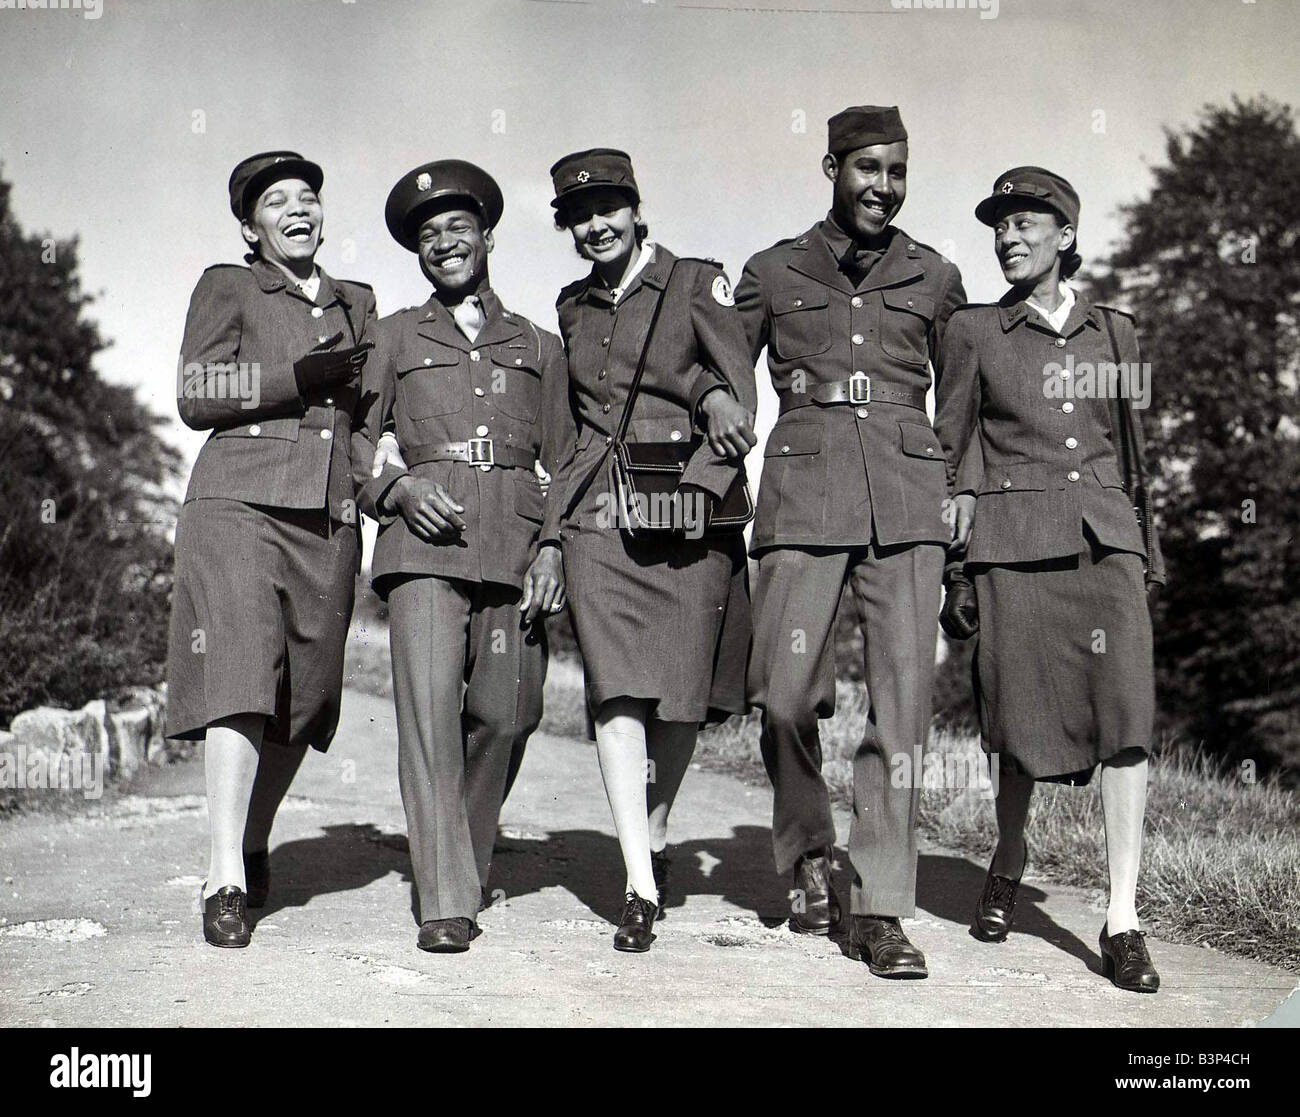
point(467, 685)
point(792, 679)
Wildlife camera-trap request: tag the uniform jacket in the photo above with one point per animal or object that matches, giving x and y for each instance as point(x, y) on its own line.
point(1049, 462)
point(698, 345)
point(429, 383)
point(830, 471)
point(245, 329)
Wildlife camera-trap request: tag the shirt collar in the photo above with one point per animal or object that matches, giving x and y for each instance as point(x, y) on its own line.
point(643, 258)
point(1058, 317)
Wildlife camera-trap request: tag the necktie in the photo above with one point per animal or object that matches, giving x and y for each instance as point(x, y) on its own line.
point(857, 262)
point(469, 317)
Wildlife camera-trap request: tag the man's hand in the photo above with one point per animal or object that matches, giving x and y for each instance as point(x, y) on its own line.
point(959, 616)
point(427, 508)
point(543, 585)
point(543, 478)
point(958, 514)
point(386, 453)
point(730, 427)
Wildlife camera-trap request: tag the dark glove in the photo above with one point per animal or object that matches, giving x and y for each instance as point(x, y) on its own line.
point(959, 616)
point(322, 369)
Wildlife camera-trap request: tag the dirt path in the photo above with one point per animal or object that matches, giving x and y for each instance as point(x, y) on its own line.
point(101, 924)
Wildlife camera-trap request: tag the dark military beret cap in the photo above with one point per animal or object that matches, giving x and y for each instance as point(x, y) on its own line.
point(1034, 183)
point(257, 172)
point(417, 191)
point(597, 166)
point(864, 126)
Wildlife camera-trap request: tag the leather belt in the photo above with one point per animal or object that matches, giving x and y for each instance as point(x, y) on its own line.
point(857, 389)
point(477, 451)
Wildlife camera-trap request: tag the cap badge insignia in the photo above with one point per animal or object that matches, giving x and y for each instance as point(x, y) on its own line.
point(583, 176)
point(1008, 187)
point(424, 182)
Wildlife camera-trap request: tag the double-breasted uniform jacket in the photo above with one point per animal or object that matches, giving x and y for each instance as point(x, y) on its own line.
point(832, 472)
point(431, 385)
point(270, 445)
point(1029, 396)
point(697, 345)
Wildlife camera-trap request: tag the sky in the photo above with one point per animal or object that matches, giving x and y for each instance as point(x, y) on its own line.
point(122, 129)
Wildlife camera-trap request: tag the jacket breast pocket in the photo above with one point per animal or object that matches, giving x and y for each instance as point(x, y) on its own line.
point(437, 388)
point(905, 325)
point(800, 323)
point(286, 428)
point(516, 386)
point(1022, 477)
point(920, 441)
point(1107, 474)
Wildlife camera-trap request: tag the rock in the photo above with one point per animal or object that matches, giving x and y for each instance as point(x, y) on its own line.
point(129, 734)
point(72, 744)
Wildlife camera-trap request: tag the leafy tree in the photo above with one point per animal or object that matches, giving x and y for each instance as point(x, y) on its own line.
point(1210, 269)
point(85, 562)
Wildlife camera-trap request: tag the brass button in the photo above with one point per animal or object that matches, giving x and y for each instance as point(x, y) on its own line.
point(1071, 443)
point(479, 392)
point(1065, 374)
point(676, 436)
point(862, 413)
point(480, 430)
point(604, 341)
point(519, 360)
point(254, 430)
point(1067, 407)
point(910, 302)
point(327, 435)
point(1060, 343)
point(856, 301)
point(322, 339)
point(316, 312)
point(1006, 482)
point(930, 450)
point(785, 449)
point(605, 408)
point(798, 302)
point(1073, 475)
point(858, 339)
point(600, 375)
point(329, 401)
point(428, 360)
point(608, 441)
point(473, 355)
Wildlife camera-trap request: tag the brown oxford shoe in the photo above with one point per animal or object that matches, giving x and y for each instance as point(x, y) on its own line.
point(447, 936)
point(816, 907)
point(1124, 959)
point(257, 876)
point(635, 934)
point(997, 904)
point(225, 917)
point(879, 941)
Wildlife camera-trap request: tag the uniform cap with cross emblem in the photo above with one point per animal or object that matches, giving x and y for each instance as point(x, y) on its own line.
point(1035, 184)
point(586, 170)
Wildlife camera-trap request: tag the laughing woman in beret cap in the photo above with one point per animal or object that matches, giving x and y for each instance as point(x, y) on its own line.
point(267, 545)
point(1060, 552)
point(663, 623)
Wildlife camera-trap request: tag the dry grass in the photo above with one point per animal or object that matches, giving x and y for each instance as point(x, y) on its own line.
point(1221, 861)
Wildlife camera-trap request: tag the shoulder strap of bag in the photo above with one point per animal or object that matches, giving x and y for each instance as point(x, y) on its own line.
point(1129, 448)
point(626, 417)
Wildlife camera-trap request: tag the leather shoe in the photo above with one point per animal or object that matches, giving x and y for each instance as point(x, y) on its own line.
point(879, 941)
point(447, 936)
point(1124, 959)
point(660, 863)
point(257, 876)
point(997, 904)
point(817, 908)
point(634, 934)
point(225, 917)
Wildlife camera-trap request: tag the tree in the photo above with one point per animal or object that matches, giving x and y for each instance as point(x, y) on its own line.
point(85, 561)
point(1209, 267)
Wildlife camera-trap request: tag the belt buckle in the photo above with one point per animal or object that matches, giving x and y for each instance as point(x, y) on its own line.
point(478, 451)
point(859, 388)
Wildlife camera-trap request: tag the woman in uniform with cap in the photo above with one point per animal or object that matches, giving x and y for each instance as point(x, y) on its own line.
point(662, 624)
point(1058, 566)
point(267, 545)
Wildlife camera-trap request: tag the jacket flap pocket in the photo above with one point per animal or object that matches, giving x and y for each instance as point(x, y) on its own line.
point(783, 302)
point(659, 430)
point(264, 428)
point(920, 442)
point(912, 301)
point(1107, 473)
point(439, 358)
point(1021, 477)
point(515, 354)
point(794, 439)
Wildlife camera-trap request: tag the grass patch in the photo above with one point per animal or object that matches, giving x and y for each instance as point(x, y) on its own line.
point(1220, 858)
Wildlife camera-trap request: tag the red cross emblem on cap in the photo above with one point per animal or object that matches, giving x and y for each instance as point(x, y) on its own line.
point(583, 176)
point(1007, 187)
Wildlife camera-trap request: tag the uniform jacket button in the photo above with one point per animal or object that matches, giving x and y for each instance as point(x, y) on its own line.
point(930, 450)
point(329, 401)
point(322, 339)
point(605, 408)
point(428, 360)
point(858, 339)
point(862, 413)
point(856, 301)
point(785, 449)
point(1065, 374)
point(910, 302)
point(480, 430)
point(1071, 443)
point(1067, 407)
point(1073, 475)
point(327, 435)
point(479, 392)
point(676, 436)
point(254, 430)
point(316, 312)
point(474, 355)
point(604, 341)
point(1060, 343)
point(1006, 482)
point(798, 302)
point(519, 360)
point(608, 441)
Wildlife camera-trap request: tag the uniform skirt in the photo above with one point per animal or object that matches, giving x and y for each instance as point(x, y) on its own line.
point(260, 610)
point(665, 620)
point(1064, 671)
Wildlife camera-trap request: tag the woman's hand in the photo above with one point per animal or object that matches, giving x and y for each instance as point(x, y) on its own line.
point(958, 514)
point(543, 478)
point(387, 453)
point(543, 585)
point(730, 427)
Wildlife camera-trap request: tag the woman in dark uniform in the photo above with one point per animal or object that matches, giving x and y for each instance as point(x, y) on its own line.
point(662, 625)
point(267, 546)
point(1058, 560)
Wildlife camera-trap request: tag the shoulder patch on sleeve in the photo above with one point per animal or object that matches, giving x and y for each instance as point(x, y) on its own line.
point(721, 291)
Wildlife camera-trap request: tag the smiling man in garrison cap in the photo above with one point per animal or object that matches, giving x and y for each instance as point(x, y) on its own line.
point(468, 550)
point(851, 312)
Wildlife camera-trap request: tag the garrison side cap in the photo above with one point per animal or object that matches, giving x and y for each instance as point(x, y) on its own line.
point(257, 172)
point(429, 183)
point(864, 126)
